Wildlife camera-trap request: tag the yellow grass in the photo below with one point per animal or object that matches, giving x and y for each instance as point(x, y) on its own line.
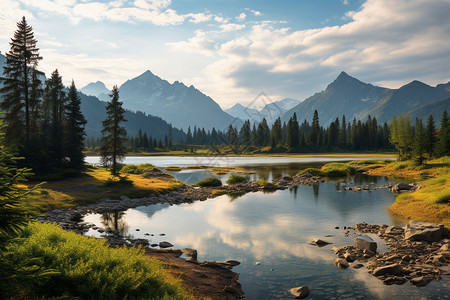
point(91, 188)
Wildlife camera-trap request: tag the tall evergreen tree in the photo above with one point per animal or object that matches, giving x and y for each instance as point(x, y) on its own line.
point(75, 129)
point(401, 136)
point(419, 142)
point(113, 148)
point(21, 84)
point(54, 111)
point(430, 138)
point(315, 129)
point(443, 144)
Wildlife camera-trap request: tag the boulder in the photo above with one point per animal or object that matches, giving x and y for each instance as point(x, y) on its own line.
point(349, 257)
point(393, 269)
point(300, 292)
point(421, 281)
point(191, 253)
point(165, 245)
point(341, 263)
point(306, 175)
point(365, 242)
point(319, 242)
point(425, 231)
point(402, 187)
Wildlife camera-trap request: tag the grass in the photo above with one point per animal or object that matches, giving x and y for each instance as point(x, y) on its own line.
point(93, 186)
point(331, 170)
point(235, 179)
point(266, 185)
point(137, 169)
point(48, 262)
point(217, 193)
point(173, 169)
point(209, 181)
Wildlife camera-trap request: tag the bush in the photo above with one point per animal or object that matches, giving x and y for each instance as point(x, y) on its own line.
point(217, 193)
point(235, 179)
point(312, 171)
point(266, 184)
point(338, 169)
point(50, 262)
point(137, 169)
point(173, 169)
point(209, 181)
point(123, 181)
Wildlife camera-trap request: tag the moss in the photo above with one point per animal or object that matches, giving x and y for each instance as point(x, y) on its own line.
point(173, 169)
point(209, 181)
point(235, 179)
point(266, 185)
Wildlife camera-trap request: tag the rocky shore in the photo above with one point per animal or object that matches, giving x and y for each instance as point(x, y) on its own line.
point(418, 253)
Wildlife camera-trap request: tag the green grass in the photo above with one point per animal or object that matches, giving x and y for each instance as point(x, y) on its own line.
point(209, 181)
point(49, 262)
point(173, 169)
point(331, 170)
point(266, 184)
point(235, 179)
point(137, 169)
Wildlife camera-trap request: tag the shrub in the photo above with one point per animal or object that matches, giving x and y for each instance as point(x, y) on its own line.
point(58, 263)
point(173, 169)
point(209, 181)
point(338, 169)
point(312, 171)
point(123, 181)
point(217, 193)
point(266, 184)
point(234, 179)
point(137, 169)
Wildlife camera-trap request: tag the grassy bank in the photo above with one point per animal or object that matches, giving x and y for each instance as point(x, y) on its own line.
point(430, 203)
point(47, 262)
point(95, 184)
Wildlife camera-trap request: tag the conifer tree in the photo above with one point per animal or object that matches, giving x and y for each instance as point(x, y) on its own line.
point(419, 142)
point(75, 129)
point(443, 144)
point(401, 136)
point(315, 129)
point(430, 139)
point(21, 85)
point(113, 148)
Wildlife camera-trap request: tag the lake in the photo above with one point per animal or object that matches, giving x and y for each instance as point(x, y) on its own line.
point(269, 234)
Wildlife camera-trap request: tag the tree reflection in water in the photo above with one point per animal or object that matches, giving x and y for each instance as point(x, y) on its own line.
point(114, 221)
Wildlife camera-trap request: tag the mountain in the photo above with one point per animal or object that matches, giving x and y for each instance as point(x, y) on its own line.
point(244, 113)
point(435, 109)
point(254, 113)
point(96, 89)
point(355, 99)
point(176, 103)
point(94, 111)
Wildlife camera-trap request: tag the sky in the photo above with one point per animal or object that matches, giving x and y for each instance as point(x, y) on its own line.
point(233, 50)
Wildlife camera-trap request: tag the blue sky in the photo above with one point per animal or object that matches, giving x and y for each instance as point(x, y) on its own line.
point(233, 50)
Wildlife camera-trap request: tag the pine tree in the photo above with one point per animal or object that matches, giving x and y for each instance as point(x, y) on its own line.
point(419, 142)
point(443, 143)
point(21, 85)
point(315, 129)
point(430, 138)
point(113, 148)
point(54, 110)
point(75, 129)
point(13, 214)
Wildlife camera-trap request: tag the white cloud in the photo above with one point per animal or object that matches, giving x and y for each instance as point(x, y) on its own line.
point(345, 2)
point(241, 17)
point(232, 27)
point(199, 18)
point(152, 4)
point(256, 13)
point(384, 40)
point(202, 43)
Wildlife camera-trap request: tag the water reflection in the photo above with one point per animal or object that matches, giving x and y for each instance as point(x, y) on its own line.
point(114, 222)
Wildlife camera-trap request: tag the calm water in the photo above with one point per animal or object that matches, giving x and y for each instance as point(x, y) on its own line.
point(274, 229)
point(260, 167)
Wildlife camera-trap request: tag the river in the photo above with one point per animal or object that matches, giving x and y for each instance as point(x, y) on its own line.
point(269, 232)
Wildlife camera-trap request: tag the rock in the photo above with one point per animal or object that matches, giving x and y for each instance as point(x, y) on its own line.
point(154, 245)
point(233, 262)
point(445, 247)
point(165, 245)
point(319, 242)
point(424, 231)
point(357, 266)
point(306, 175)
point(341, 263)
point(395, 280)
point(402, 187)
point(230, 289)
point(365, 242)
point(421, 281)
point(300, 292)
point(191, 253)
point(256, 263)
point(393, 269)
point(124, 198)
point(349, 257)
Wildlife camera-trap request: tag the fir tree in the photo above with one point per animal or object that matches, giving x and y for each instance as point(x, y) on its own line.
point(315, 129)
point(75, 129)
point(401, 136)
point(419, 142)
point(113, 148)
point(443, 143)
point(21, 85)
point(430, 138)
